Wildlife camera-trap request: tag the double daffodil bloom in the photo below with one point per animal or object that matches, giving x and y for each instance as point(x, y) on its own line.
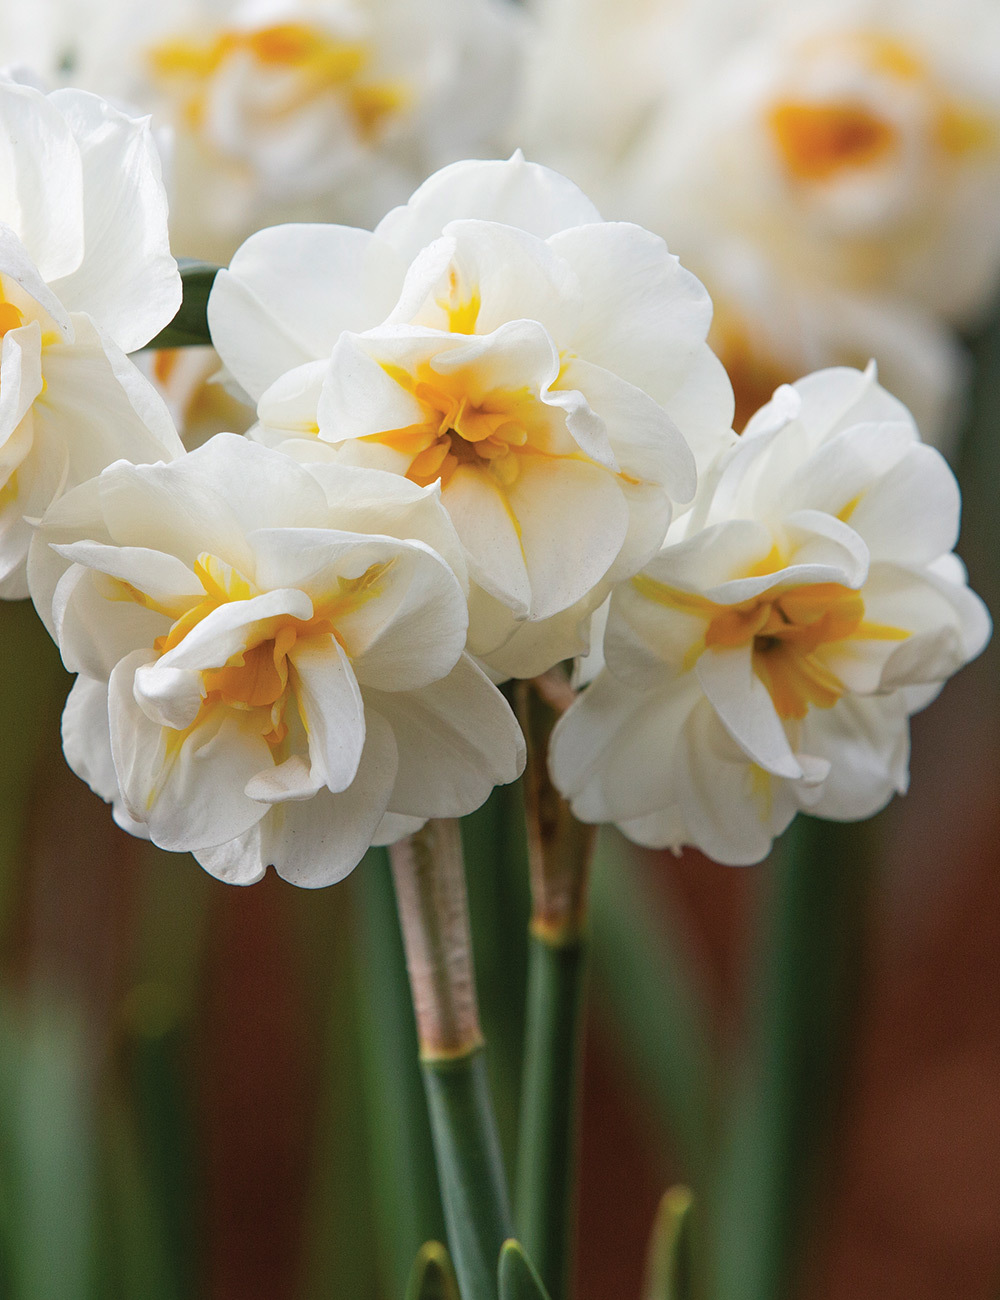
point(770, 657)
point(494, 335)
point(86, 275)
point(271, 658)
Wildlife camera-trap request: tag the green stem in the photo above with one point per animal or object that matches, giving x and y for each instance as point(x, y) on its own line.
point(429, 877)
point(470, 1167)
point(559, 853)
point(546, 1164)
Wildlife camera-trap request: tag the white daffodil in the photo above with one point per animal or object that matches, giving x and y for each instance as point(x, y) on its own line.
point(85, 276)
point(548, 369)
point(857, 144)
point(271, 658)
point(769, 658)
point(304, 109)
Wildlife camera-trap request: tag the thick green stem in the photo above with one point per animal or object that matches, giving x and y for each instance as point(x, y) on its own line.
point(546, 1165)
point(429, 876)
point(470, 1167)
point(559, 854)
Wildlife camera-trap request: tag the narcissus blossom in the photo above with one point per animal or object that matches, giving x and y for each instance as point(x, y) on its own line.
point(769, 658)
point(271, 658)
point(547, 368)
point(304, 109)
point(858, 144)
point(85, 276)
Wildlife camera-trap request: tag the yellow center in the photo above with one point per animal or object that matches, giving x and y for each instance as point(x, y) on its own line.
point(786, 629)
point(819, 140)
point(319, 64)
point(258, 677)
point(491, 433)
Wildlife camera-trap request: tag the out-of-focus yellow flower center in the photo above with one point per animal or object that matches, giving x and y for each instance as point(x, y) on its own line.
point(816, 141)
point(786, 627)
point(258, 676)
point(316, 62)
point(819, 140)
point(490, 433)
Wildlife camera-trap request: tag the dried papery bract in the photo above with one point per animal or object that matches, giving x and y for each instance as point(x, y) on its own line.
point(429, 876)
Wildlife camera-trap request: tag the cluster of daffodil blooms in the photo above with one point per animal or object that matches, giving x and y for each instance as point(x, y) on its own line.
point(483, 436)
point(476, 425)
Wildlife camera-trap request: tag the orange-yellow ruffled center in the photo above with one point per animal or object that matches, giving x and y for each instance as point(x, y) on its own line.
point(259, 677)
point(315, 62)
point(787, 629)
point(819, 140)
point(490, 432)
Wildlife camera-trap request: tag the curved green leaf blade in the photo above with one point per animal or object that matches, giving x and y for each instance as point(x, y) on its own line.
point(432, 1276)
point(189, 328)
point(517, 1277)
point(668, 1261)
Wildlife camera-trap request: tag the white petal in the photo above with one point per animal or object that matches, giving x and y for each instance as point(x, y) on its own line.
point(745, 708)
point(484, 522)
point(515, 193)
point(41, 180)
point(409, 626)
point(86, 737)
point(645, 317)
point(456, 738)
point(646, 441)
point(233, 627)
point(330, 705)
point(289, 293)
point(99, 406)
point(867, 743)
point(319, 841)
point(573, 520)
point(127, 281)
point(191, 794)
point(509, 274)
point(911, 514)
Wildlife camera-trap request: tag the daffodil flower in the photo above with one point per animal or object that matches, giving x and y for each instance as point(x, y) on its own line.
point(271, 658)
point(303, 109)
point(85, 276)
point(547, 368)
point(769, 658)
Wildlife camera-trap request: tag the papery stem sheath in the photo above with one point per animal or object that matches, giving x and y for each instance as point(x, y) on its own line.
point(560, 850)
point(430, 893)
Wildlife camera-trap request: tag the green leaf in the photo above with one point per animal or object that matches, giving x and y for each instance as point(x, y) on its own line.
point(643, 971)
point(189, 328)
point(805, 999)
point(517, 1276)
point(432, 1276)
point(668, 1260)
